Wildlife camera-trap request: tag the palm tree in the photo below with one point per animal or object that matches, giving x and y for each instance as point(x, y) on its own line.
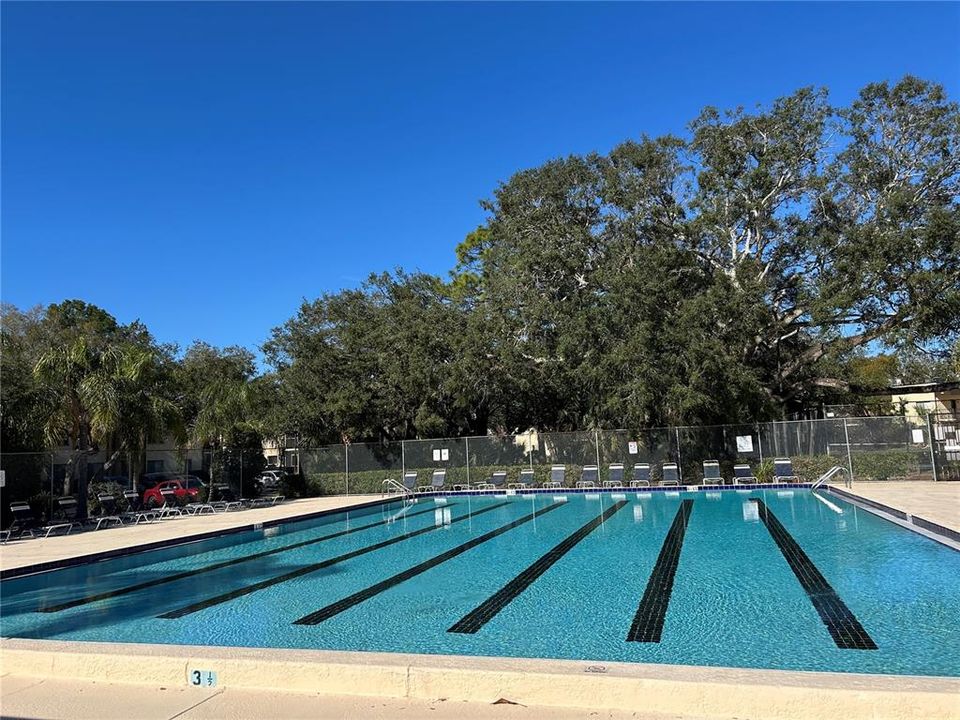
point(98, 396)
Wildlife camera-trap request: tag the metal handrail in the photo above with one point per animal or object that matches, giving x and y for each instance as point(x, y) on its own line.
point(830, 474)
point(390, 486)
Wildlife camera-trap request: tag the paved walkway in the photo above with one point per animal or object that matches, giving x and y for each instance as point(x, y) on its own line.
point(938, 502)
point(31, 551)
point(30, 697)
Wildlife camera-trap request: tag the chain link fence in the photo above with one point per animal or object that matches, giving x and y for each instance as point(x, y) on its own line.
point(870, 448)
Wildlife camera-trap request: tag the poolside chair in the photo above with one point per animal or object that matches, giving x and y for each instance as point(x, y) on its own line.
point(24, 521)
point(614, 476)
point(437, 482)
point(135, 511)
point(171, 504)
point(109, 513)
point(641, 475)
point(524, 480)
point(558, 476)
point(711, 473)
point(783, 471)
point(495, 482)
point(589, 477)
point(743, 475)
point(69, 510)
point(671, 475)
point(410, 480)
point(226, 498)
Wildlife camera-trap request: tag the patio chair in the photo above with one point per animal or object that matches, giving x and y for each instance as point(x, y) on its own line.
point(711, 473)
point(410, 480)
point(135, 511)
point(171, 504)
point(25, 522)
point(641, 475)
point(69, 510)
point(226, 498)
point(743, 475)
point(558, 477)
point(671, 475)
point(783, 471)
point(589, 476)
point(524, 480)
point(109, 513)
point(437, 482)
point(495, 482)
point(614, 476)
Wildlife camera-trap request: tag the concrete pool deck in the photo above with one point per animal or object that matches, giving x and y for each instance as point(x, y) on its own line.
point(52, 679)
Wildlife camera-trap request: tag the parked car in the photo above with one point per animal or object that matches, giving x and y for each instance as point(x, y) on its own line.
point(269, 479)
point(185, 487)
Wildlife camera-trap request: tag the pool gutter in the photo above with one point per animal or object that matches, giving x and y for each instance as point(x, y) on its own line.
point(672, 690)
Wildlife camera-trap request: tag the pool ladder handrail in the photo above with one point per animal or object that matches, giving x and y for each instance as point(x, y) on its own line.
point(391, 486)
point(830, 474)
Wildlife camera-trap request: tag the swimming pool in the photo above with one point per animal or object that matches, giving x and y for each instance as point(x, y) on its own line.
point(761, 578)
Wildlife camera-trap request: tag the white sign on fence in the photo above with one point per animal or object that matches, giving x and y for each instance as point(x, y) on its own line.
point(744, 443)
point(917, 436)
point(444, 454)
point(3, 478)
point(436, 456)
point(632, 448)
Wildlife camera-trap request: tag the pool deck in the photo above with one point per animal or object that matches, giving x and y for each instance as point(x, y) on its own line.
point(60, 548)
point(938, 502)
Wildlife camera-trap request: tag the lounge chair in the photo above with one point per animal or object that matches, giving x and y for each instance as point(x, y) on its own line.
point(266, 501)
point(69, 510)
point(171, 504)
point(109, 513)
point(495, 482)
point(614, 476)
point(783, 471)
point(437, 482)
point(589, 477)
point(671, 475)
point(711, 473)
point(227, 499)
point(743, 475)
point(524, 480)
point(410, 480)
point(558, 476)
point(135, 511)
point(641, 475)
point(25, 522)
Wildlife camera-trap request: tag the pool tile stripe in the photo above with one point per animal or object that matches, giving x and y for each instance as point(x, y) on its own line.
point(651, 614)
point(307, 569)
point(483, 613)
point(106, 595)
point(842, 624)
point(346, 603)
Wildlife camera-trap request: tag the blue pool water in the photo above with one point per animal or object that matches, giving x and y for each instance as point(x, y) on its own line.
point(529, 576)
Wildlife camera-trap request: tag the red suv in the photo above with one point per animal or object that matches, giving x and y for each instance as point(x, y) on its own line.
point(185, 488)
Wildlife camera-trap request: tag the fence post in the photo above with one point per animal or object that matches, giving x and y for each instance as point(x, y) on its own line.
point(403, 457)
point(596, 445)
point(846, 436)
point(466, 442)
point(760, 443)
point(679, 457)
point(346, 467)
point(933, 455)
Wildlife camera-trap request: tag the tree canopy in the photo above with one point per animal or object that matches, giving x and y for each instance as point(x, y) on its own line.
point(755, 263)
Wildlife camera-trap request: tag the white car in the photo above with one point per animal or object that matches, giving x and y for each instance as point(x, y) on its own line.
point(269, 480)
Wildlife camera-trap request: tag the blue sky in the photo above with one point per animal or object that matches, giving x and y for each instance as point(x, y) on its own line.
point(206, 166)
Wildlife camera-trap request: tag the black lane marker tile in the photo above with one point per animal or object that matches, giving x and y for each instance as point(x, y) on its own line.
point(483, 613)
point(652, 612)
point(216, 566)
point(346, 603)
point(844, 628)
point(307, 569)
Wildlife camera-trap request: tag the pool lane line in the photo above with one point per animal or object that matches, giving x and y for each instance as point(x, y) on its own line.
point(651, 613)
point(486, 611)
point(107, 594)
point(842, 624)
point(325, 613)
point(307, 569)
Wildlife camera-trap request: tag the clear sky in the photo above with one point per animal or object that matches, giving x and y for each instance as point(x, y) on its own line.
point(205, 166)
